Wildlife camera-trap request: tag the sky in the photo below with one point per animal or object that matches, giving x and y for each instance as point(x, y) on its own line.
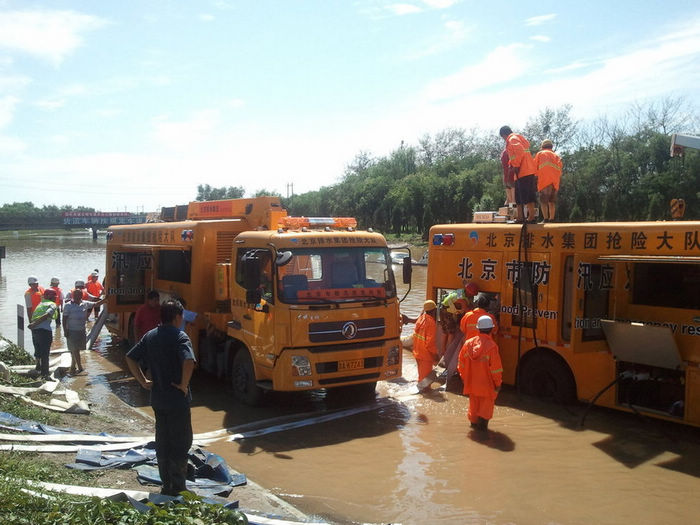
point(128, 105)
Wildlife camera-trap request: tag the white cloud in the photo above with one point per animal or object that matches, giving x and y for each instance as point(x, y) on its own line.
point(186, 134)
point(440, 4)
point(47, 34)
point(454, 32)
point(540, 38)
point(503, 64)
point(7, 109)
point(11, 146)
point(403, 9)
point(541, 19)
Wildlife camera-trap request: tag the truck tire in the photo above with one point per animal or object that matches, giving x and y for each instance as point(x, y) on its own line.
point(243, 381)
point(546, 375)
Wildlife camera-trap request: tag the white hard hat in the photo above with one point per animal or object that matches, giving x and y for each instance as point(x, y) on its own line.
point(80, 283)
point(32, 280)
point(55, 280)
point(484, 322)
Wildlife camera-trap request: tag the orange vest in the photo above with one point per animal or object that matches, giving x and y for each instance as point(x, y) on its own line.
point(424, 347)
point(468, 323)
point(32, 299)
point(549, 166)
point(480, 366)
point(519, 156)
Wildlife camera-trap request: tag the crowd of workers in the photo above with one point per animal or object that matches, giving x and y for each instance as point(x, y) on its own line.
point(466, 347)
point(71, 310)
point(526, 177)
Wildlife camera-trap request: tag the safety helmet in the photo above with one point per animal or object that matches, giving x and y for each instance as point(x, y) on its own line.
point(54, 281)
point(471, 289)
point(484, 322)
point(80, 283)
point(429, 305)
point(32, 280)
point(546, 144)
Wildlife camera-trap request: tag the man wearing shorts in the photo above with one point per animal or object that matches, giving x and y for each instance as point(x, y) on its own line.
point(549, 168)
point(523, 164)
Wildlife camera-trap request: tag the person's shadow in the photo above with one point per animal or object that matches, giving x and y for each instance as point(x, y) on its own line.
point(492, 439)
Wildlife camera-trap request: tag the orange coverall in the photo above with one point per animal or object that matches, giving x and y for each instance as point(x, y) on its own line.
point(468, 323)
point(518, 149)
point(32, 298)
point(482, 372)
point(424, 347)
point(549, 166)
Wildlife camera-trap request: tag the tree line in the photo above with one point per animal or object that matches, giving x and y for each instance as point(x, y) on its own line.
point(614, 170)
point(26, 214)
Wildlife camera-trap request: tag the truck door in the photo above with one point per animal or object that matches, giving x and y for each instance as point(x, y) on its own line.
point(129, 277)
point(254, 301)
point(590, 283)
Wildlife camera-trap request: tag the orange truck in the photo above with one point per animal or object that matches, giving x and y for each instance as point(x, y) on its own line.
point(603, 312)
point(282, 303)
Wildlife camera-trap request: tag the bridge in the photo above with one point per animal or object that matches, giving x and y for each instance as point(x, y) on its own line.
point(95, 220)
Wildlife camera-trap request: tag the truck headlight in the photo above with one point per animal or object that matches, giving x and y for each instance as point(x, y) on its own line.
point(301, 366)
point(392, 357)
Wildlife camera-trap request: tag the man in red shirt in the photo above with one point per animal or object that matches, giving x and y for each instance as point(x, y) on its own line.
point(147, 316)
point(523, 164)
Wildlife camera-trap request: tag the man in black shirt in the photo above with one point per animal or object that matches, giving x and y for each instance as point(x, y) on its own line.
point(167, 352)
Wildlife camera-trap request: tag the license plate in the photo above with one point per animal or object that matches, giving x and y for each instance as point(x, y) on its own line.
point(350, 364)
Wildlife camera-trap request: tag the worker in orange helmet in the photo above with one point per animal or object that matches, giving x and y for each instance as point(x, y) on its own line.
point(482, 373)
point(424, 346)
point(549, 167)
point(468, 323)
point(523, 164)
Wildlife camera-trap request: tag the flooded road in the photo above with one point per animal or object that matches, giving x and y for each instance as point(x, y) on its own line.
point(413, 459)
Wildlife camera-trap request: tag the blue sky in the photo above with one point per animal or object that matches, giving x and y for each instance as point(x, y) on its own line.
point(130, 104)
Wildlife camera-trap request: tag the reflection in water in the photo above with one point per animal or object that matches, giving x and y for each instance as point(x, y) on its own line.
point(415, 460)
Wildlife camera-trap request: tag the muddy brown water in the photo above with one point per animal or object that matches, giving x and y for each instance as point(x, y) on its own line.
point(411, 458)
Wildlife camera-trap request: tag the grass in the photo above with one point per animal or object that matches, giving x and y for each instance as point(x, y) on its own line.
point(20, 507)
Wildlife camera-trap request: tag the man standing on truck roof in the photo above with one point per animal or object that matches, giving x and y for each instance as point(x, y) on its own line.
point(167, 352)
point(523, 164)
point(482, 373)
point(549, 166)
point(424, 346)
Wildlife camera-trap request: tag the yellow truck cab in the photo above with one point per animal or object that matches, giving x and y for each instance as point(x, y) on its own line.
point(281, 303)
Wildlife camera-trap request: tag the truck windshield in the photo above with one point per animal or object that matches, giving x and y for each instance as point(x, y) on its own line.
point(322, 275)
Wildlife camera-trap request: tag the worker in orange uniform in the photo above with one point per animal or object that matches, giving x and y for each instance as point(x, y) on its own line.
point(33, 295)
point(59, 298)
point(549, 166)
point(482, 373)
point(523, 164)
point(468, 323)
point(424, 347)
point(95, 289)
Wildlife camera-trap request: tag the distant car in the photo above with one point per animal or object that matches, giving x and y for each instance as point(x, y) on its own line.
point(423, 261)
point(398, 257)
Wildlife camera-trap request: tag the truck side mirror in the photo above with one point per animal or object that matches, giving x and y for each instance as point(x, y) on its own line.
point(407, 270)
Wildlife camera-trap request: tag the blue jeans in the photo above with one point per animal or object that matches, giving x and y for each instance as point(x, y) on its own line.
point(42, 339)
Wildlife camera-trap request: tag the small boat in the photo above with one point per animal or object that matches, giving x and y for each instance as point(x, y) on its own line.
point(423, 261)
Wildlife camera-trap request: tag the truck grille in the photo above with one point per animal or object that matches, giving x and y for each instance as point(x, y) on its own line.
point(346, 330)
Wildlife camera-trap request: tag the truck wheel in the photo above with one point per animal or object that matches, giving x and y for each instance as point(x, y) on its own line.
point(243, 378)
point(548, 376)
